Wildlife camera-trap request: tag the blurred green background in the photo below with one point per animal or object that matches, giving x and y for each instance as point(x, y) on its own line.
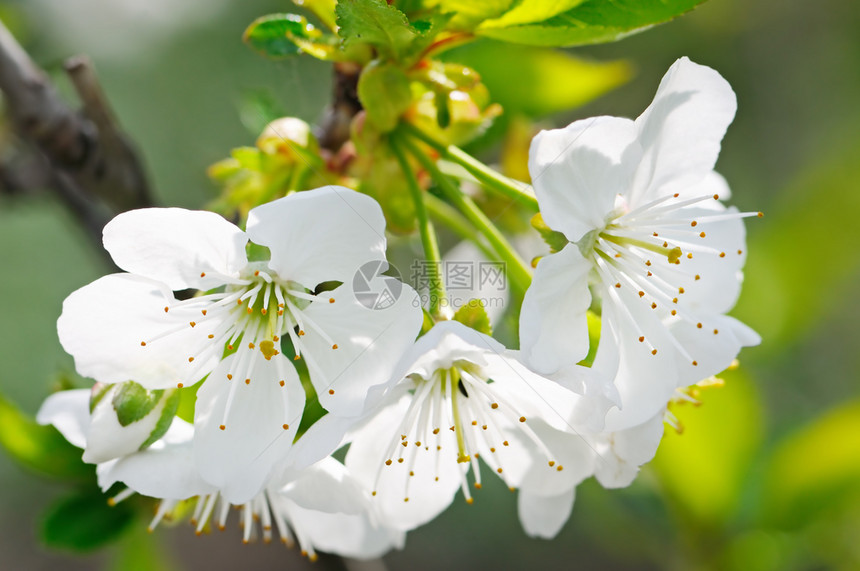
point(767, 472)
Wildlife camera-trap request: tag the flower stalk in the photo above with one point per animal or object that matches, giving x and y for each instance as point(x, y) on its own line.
point(425, 229)
point(518, 270)
point(491, 179)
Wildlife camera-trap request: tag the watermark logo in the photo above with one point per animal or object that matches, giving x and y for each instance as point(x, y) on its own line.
point(377, 285)
point(464, 281)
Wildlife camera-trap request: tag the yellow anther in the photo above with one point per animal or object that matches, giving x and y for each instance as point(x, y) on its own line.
point(267, 348)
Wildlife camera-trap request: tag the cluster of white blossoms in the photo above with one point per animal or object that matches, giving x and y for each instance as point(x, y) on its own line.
point(639, 236)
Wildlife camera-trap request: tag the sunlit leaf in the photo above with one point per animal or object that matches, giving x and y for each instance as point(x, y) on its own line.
point(811, 470)
point(40, 448)
point(322, 9)
point(474, 315)
point(85, 521)
point(594, 21)
point(705, 467)
point(281, 35)
point(528, 11)
point(377, 23)
point(385, 94)
point(470, 14)
point(539, 81)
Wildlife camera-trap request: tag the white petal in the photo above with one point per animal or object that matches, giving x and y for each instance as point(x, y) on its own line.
point(621, 453)
point(573, 460)
point(645, 381)
point(544, 516)
point(103, 324)
point(369, 344)
point(165, 470)
point(239, 458)
point(347, 535)
point(319, 235)
point(680, 132)
point(444, 345)
point(428, 497)
point(322, 438)
point(176, 246)
point(108, 439)
point(577, 172)
point(69, 412)
point(328, 487)
point(553, 326)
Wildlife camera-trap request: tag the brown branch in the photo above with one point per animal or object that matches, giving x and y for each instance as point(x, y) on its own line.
point(92, 166)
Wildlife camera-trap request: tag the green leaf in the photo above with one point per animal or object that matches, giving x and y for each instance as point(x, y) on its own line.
point(132, 402)
point(592, 22)
point(322, 9)
point(473, 315)
point(555, 240)
point(376, 23)
point(467, 15)
point(283, 35)
point(538, 81)
point(383, 90)
point(811, 471)
point(85, 521)
point(40, 448)
point(706, 466)
point(528, 11)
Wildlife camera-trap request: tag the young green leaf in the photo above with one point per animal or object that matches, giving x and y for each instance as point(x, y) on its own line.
point(473, 315)
point(282, 35)
point(385, 94)
point(592, 22)
point(377, 23)
point(528, 11)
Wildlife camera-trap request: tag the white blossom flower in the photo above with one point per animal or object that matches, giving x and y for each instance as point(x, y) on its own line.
point(617, 457)
point(111, 420)
point(462, 396)
point(130, 326)
point(636, 203)
point(319, 507)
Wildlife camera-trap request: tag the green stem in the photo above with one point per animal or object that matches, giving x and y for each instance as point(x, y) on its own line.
point(448, 216)
point(493, 180)
point(517, 269)
point(425, 229)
